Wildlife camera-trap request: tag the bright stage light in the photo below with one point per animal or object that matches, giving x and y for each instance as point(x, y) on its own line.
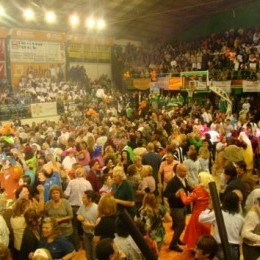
point(74, 20)
point(28, 14)
point(101, 24)
point(90, 23)
point(50, 17)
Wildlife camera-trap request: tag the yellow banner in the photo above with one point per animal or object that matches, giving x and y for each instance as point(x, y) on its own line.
point(85, 52)
point(83, 39)
point(142, 84)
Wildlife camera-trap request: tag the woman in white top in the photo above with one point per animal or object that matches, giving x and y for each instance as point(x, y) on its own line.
point(251, 233)
point(233, 223)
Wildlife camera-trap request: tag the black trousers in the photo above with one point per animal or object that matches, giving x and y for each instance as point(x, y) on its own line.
point(179, 219)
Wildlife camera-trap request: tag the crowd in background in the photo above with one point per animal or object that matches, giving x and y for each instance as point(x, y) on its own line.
point(233, 54)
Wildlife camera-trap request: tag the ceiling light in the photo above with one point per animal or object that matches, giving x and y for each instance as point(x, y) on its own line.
point(90, 23)
point(2, 10)
point(28, 14)
point(101, 24)
point(74, 20)
point(50, 17)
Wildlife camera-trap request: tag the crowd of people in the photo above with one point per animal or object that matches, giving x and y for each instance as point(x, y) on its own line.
point(67, 185)
point(233, 54)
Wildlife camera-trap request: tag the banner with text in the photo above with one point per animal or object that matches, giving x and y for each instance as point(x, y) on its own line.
point(44, 109)
point(225, 85)
point(251, 86)
point(89, 53)
point(37, 35)
point(25, 51)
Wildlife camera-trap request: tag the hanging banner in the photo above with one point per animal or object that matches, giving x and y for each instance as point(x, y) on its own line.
point(24, 51)
point(251, 86)
point(154, 88)
point(142, 84)
point(44, 109)
point(37, 35)
point(225, 85)
point(163, 82)
point(89, 53)
point(174, 83)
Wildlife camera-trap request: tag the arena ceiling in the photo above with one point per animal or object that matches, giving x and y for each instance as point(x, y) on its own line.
point(126, 19)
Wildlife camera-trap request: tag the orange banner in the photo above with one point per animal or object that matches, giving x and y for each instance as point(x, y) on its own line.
point(142, 84)
point(174, 83)
point(38, 35)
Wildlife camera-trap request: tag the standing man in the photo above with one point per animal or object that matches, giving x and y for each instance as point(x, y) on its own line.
point(153, 159)
point(178, 209)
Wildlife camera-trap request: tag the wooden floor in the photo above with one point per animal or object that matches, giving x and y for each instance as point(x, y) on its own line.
point(165, 253)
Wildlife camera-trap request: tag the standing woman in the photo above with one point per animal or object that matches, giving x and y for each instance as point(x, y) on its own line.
point(193, 165)
point(153, 215)
point(125, 159)
point(87, 215)
point(61, 210)
point(105, 226)
point(31, 235)
point(200, 198)
point(18, 224)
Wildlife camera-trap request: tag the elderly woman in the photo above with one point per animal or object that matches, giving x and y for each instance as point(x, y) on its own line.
point(123, 191)
point(200, 198)
point(58, 246)
point(61, 210)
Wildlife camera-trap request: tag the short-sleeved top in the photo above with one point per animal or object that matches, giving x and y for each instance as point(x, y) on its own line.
point(124, 191)
point(64, 210)
point(106, 227)
point(90, 214)
point(58, 248)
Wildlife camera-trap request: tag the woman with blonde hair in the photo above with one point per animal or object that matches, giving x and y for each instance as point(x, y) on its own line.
point(105, 226)
point(153, 215)
point(200, 198)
